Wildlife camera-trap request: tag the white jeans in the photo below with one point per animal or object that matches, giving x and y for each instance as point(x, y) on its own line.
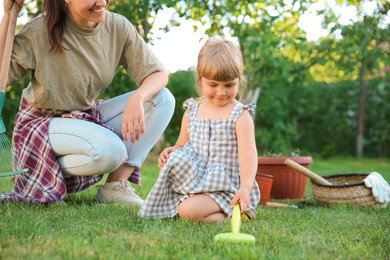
point(84, 148)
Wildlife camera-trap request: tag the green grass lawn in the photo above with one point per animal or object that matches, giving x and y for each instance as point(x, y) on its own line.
point(84, 229)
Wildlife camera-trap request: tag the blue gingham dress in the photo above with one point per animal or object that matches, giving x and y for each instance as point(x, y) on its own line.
point(207, 163)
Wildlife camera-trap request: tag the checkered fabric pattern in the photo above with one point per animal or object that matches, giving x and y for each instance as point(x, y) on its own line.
point(208, 163)
point(44, 183)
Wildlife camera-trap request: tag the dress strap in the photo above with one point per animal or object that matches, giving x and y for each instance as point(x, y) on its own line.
point(191, 106)
point(237, 111)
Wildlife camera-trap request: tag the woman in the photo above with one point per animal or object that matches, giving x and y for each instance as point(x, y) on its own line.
point(63, 135)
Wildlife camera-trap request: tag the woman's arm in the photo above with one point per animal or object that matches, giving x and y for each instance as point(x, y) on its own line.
point(5, 21)
point(152, 84)
point(133, 124)
point(247, 155)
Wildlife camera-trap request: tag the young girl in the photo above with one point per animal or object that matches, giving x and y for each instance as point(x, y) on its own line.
point(214, 161)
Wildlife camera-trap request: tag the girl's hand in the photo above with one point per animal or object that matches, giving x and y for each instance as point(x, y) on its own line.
point(164, 155)
point(243, 197)
point(133, 124)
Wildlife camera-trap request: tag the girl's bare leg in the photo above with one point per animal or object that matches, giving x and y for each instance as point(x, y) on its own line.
point(202, 208)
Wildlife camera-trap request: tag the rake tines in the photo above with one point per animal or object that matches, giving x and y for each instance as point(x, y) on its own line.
point(9, 164)
point(8, 161)
point(8, 171)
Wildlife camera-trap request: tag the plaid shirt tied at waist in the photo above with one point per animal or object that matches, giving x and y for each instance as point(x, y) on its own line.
point(44, 182)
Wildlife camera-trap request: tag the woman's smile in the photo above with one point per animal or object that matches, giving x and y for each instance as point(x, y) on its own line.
point(87, 13)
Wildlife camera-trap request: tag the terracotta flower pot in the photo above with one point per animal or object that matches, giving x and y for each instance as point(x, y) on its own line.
point(288, 183)
point(265, 184)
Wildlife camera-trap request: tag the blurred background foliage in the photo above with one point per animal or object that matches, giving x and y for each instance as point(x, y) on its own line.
point(327, 98)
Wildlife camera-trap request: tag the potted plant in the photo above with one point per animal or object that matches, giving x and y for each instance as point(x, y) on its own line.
point(287, 183)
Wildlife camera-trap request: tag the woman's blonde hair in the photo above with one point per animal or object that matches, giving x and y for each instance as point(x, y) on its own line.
point(220, 60)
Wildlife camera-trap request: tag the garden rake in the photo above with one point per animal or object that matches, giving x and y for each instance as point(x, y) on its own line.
point(9, 162)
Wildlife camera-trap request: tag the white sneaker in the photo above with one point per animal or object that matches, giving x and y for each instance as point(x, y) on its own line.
point(118, 192)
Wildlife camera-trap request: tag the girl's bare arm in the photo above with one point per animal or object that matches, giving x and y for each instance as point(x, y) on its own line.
point(247, 155)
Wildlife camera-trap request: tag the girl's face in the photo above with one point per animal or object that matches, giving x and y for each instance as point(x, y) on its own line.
point(219, 93)
point(87, 13)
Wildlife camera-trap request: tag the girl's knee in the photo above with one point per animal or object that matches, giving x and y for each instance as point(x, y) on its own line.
point(189, 212)
point(200, 207)
point(185, 212)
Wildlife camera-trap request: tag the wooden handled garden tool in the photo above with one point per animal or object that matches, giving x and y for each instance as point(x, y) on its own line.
point(306, 172)
point(9, 42)
point(235, 236)
point(6, 159)
point(280, 205)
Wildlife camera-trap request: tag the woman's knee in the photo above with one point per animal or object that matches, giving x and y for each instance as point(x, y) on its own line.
point(109, 154)
point(166, 99)
point(84, 148)
point(102, 157)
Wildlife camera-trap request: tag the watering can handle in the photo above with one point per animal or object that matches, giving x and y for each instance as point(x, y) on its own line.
point(9, 42)
point(236, 219)
point(306, 172)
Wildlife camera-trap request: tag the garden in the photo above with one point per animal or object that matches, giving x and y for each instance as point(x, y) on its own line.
point(327, 99)
point(87, 230)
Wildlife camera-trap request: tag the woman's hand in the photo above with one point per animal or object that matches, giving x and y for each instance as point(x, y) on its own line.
point(243, 197)
point(9, 3)
point(133, 123)
point(164, 155)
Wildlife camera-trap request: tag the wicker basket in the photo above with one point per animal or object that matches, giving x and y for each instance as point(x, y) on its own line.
point(345, 189)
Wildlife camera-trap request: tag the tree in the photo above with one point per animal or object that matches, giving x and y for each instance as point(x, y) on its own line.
point(362, 54)
point(140, 13)
point(275, 55)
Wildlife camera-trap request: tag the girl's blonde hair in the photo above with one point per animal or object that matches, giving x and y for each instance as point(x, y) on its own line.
point(220, 60)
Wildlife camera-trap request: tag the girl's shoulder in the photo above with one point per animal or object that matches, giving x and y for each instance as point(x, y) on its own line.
point(190, 103)
point(191, 106)
point(239, 108)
